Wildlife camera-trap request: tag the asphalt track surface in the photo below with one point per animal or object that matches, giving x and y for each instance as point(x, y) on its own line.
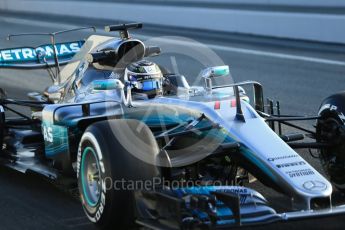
point(30, 202)
point(234, 6)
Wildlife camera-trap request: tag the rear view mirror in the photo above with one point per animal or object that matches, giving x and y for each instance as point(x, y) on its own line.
point(214, 72)
point(217, 71)
point(114, 84)
point(107, 84)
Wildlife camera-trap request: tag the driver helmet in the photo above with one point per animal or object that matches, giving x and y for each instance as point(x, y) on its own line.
point(144, 77)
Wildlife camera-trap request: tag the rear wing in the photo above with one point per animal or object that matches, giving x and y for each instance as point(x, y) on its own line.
point(45, 56)
point(39, 57)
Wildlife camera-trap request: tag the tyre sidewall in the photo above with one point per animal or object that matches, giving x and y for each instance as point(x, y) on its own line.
point(116, 207)
point(94, 213)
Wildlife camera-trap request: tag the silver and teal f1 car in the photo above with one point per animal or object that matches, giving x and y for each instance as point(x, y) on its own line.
point(180, 160)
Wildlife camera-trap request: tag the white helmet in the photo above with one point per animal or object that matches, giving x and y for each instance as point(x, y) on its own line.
point(144, 77)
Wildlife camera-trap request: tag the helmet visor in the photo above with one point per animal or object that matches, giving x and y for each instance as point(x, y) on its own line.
point(147, 82)
point(150, 85)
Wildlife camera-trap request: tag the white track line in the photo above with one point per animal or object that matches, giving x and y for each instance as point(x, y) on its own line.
point(279, 55)
point(212, 46)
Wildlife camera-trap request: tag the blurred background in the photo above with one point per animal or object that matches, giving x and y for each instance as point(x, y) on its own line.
point(295, 48)
point(314, 20)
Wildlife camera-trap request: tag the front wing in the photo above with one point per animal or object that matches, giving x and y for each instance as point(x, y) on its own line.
point(214, 207)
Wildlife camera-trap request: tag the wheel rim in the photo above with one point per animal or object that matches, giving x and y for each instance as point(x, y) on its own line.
point(90, 177)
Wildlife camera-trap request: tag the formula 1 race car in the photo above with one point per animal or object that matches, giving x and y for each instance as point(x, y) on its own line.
point(147, 149)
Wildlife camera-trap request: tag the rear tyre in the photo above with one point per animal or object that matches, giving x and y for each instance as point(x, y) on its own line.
point(103, 163)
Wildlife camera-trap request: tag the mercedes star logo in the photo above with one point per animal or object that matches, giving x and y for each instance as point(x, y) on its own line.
point(315, 186)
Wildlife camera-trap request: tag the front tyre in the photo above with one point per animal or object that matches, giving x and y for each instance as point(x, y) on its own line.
point(104, 161)
point(330, 129)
